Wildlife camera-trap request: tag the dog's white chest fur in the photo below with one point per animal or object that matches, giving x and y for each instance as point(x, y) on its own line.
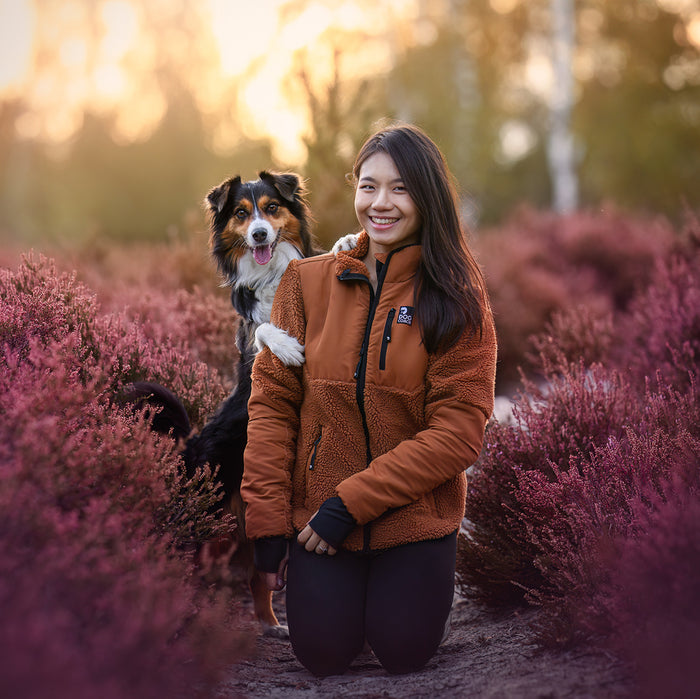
point(264, 279)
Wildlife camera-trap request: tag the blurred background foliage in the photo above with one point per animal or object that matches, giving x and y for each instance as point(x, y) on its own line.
point(476, 74)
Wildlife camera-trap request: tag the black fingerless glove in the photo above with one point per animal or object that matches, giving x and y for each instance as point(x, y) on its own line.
point(269, 553)
point(333, 523)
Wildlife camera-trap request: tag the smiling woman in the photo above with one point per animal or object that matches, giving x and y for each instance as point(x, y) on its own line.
point(384, 207)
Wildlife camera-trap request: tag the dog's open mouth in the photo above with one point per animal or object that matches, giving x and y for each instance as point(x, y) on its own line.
point(263, 253)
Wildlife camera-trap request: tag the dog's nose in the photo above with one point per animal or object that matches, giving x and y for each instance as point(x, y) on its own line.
point(259, 235)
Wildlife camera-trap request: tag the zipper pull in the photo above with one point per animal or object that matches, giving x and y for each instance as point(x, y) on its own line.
point(359, 363)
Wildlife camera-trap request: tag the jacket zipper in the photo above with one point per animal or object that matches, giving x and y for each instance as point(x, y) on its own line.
point(312, 463)
point(386, 339)
point(361, 369)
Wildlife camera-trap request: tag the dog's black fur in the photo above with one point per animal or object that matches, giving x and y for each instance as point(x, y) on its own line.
point(268, 220)
point(239, 221)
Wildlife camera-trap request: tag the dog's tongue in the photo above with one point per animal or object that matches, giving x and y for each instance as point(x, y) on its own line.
point(262, 254)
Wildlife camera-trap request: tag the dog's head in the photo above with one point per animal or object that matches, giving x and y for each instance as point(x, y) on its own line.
point(254, 217)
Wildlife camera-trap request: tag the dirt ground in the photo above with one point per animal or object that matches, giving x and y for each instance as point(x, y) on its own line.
point(486, 656)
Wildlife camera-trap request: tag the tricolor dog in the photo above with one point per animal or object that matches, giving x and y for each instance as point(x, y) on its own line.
point(256, 228)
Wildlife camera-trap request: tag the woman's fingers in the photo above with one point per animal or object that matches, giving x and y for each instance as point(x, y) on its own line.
point(304, 534)
point(311, 541)
point(277, 581)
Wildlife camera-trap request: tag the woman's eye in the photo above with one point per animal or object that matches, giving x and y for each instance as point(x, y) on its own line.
point(272, 208)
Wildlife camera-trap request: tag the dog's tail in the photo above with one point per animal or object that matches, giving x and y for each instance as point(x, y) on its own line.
point(167, 413)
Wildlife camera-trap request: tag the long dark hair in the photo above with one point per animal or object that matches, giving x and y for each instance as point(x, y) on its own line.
point(450, 288)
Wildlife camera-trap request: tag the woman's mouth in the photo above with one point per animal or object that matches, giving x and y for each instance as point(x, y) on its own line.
point(382, 220)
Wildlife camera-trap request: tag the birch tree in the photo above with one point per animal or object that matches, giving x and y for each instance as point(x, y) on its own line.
point(560, 146)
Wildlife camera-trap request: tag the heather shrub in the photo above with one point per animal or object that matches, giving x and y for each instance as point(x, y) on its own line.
point(172, 291)
point(107, 268)
point(198, 322)
point(98, 591)
point(501, 556)
point(42, 304)
point(538, 264)
point(587, 504)
point(597, 505)
point(653, 591)
point(661, 334)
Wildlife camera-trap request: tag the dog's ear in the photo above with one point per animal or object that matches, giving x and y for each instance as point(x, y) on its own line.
point(287, 184)
point(217, 197)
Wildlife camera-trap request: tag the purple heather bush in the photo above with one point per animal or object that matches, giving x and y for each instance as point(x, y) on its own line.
point(537, 264)
point(654, 592)
point(587, 505)
point(99, 594)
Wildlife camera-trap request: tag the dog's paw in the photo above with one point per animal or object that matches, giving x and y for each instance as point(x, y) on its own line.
point(347, 242)
point(279, 631)
point(285, 347)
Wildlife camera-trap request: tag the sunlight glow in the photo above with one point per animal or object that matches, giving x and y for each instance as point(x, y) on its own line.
point(539, 74)
point(310, 24)
point(504, 6)
point(73, 53)
point(679, 6)
point(243, 70)
point(694, 30)
point(120, 25)
point(242, 37)
point(516, 140)
point(16, 30)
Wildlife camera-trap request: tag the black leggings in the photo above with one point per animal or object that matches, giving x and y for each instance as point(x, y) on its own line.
point(398, 600)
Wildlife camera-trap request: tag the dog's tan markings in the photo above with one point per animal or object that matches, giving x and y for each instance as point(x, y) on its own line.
point(282, 219)
point(291, 228)
point(271, 209)
point(263, 203)
point(233, 235)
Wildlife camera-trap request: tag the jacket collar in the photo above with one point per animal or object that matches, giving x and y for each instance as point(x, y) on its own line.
point(403, 265)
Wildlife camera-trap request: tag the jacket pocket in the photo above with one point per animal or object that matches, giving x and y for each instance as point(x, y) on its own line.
point(314, 449)
point(386, 338)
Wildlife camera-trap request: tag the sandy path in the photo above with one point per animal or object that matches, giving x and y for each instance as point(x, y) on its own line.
point(487, 655)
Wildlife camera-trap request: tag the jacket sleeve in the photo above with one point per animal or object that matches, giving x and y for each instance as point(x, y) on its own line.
point(273, 422)
point(459, 401)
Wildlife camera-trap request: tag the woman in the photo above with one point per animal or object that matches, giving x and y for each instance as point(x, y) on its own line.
point(354, 470)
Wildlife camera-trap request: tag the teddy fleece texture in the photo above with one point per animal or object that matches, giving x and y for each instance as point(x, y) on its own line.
point(395, 450)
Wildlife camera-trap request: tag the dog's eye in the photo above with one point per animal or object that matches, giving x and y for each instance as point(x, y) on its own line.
point(272, 208)
point(241, 214)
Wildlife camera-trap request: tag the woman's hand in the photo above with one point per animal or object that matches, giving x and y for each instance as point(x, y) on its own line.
point(277, 581)
point(311, 541)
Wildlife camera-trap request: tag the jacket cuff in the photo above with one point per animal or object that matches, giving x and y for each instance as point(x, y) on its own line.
point(269, 552)
point(333, 523)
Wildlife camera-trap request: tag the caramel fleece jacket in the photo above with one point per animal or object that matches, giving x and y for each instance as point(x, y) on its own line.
point(370, 416)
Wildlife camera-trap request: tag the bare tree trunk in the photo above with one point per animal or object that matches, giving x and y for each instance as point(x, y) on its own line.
point(560, 148)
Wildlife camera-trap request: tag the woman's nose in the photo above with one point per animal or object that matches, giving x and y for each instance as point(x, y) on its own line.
point(381, 199)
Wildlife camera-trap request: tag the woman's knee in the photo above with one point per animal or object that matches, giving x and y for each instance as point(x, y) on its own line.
point(324, 659)
point(398, 658)
point(325, 601)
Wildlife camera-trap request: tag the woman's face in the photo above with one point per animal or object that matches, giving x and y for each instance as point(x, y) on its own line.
point(384, 207)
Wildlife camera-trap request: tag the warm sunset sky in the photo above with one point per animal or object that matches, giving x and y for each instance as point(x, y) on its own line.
point(61, 58)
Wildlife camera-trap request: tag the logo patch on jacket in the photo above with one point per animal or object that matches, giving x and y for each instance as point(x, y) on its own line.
point(405, 315)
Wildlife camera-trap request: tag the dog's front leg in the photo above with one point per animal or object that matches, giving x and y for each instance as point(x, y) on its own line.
point(285, 347)
point(347, 242)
